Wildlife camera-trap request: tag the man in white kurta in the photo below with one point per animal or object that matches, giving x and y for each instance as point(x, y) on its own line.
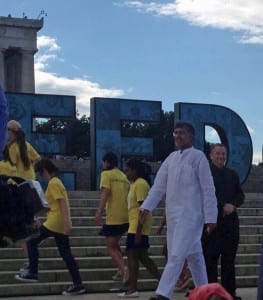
point(186, 180)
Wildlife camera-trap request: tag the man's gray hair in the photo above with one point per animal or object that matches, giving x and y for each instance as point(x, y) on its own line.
point(213, 146)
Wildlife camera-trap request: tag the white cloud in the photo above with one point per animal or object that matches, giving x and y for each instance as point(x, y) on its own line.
point(42, 61)
point(45, 41)
point(242, 16)
point(51, 83)
point(250, 130)
point(212, 135)
point(81, 88)
point(257, 158)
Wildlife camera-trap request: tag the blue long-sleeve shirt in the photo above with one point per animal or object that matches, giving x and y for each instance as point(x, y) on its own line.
point(3, 120)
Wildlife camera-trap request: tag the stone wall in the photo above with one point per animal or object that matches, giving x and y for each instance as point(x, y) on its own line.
point(254, 182)
point(80, 167)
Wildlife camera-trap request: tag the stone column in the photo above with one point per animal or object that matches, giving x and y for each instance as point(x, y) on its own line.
point(2, 67)
point(28, 73)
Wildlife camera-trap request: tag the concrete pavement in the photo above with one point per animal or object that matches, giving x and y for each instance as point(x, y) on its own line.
point(245, 293)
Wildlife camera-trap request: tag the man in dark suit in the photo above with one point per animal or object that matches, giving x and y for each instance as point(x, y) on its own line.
point(223, 241)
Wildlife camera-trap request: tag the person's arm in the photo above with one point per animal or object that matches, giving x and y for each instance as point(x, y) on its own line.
point(209, 197)
point(105, 192)
point(138, 234)
point(33, 154)
point(156, 192)
point(141, 192)
point(13, 152)
point(162, 224)
point(65, 216)
point(238, 195)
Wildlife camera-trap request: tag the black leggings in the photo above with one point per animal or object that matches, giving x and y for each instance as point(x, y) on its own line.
point(63, 245)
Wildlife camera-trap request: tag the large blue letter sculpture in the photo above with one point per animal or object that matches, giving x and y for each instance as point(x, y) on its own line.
point(107, 114)
point(27, 107)
point(105, 128)
point(232, 132)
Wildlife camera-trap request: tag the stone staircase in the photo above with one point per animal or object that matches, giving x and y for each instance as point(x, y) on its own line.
point(96, 266)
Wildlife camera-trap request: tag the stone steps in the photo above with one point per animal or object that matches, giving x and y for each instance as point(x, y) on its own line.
point(53, 262)
point(96, 243)
point(14, 260)
point(97, 267)
point(52, 288)
point(251, 203)
point(100, 273)
point(93, 230)
point(82, 220)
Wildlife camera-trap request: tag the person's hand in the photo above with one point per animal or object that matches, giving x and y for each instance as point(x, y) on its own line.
point(39, 222)
point(137, 238)
point(142, 216)
point(159, 230)
point(138, 234)
point(209, 227)
point(66, 227)
point(98, 218)
point(228, 209)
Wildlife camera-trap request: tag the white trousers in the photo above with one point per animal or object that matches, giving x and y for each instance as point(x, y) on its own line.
point(173, 269)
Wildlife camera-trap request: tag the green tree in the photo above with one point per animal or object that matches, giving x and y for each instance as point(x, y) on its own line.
point(161, 133)
point(78, 136)
point(164, 141)
point(77, 132)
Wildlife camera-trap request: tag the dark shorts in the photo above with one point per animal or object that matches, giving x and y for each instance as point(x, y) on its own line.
point(113, 230)
point(130, 242)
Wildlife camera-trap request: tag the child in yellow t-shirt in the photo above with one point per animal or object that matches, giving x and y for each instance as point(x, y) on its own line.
point(22, 154)
point(137, 242)
point(57, 225)
point(6, 165)
point(114, 187)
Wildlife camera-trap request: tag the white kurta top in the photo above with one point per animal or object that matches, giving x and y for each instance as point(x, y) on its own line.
point(186, 179)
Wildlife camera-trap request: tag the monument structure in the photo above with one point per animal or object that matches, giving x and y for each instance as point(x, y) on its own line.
point(107, 115)
point(18, 45)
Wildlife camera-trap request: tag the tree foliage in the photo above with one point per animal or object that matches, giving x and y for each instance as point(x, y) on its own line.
point(161, 133)
point(164, 144)
point(77, 133)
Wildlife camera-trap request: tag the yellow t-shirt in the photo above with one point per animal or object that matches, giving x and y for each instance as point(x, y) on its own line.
point(7, 169)
point(55, 191)
point(138, 192)
point(16, 160)
point(116, 206)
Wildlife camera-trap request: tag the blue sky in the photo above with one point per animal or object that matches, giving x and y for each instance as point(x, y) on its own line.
point(174, 51)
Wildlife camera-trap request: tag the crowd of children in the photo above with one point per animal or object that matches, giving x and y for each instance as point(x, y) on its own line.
point(122, 194)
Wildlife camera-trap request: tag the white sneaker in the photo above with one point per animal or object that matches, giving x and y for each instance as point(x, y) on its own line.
point(131, 295)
